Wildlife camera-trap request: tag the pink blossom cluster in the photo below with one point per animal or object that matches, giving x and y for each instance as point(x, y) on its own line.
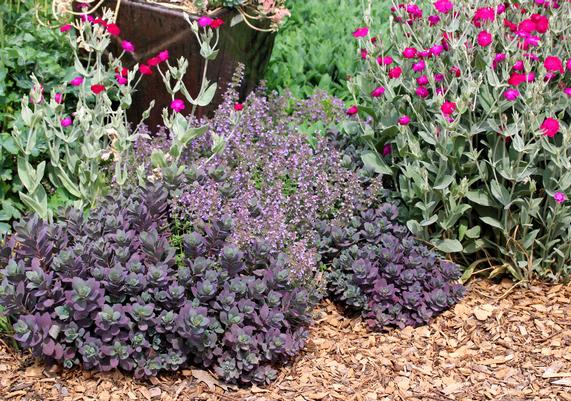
point(494, 28)
point(121, 74)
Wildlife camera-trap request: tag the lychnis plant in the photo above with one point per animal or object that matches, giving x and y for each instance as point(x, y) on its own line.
point(470, 108)
point(88, 147)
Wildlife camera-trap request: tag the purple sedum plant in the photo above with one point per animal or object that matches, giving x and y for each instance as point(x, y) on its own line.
point(105, 291)
point(380, 271)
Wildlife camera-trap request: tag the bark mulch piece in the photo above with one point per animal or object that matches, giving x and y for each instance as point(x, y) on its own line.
point(499, 344)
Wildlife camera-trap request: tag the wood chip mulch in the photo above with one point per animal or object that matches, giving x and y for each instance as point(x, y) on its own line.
point(498, 344)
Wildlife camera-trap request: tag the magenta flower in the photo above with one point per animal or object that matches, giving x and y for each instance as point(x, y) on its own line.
point(484, 38)
point(422, 80)
point(419, 66)
point(205, 21)
point(553, 64)
point(387, 149)
point(58, 97)
point(404, 120)
point(448, 108)
point(65, 28)
point(377, 92)
point(511, 94)
point(361, 32)
point(567, 91)
point(128, 46)
point(76, 81)
point(121, 80)
point(409, 52)
point(436, 50)
point(443, 6)
point(238, 106)
point(422, 92)
point(364, 54)
point(550, 127)
point(439, 77)
point(519, 66)
point(385, 60)
point(560, 197)
point(66, 122)
point(164, 55)
point(351, 111)
point(177, 105)
point(498, 59)
point(568, 65)
point(395, 72)
point(433, 20)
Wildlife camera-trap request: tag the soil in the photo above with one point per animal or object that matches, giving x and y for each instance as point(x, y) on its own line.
point(500, 343)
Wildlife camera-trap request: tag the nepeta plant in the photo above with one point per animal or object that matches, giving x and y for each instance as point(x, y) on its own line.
point(473, 102)
point(273, 179)
point(105, 291)
point(382, 272)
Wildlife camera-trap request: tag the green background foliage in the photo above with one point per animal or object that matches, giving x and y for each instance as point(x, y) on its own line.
point(26, 46)
point(315, 49)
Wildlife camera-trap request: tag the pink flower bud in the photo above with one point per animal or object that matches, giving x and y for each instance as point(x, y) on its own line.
point(361, 32)
point(177, 105)
point(511, 94)
point(351, 111)
point(66, 122)
point(560, 197)
point(377, 92)
point(65, 28)
point(58, 98)
point(404, 120)
point(164, 55)
point(76, 81)
point(204, 21)
point(128, 46)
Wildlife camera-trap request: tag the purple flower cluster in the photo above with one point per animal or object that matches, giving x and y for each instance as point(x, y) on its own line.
point(274, 180)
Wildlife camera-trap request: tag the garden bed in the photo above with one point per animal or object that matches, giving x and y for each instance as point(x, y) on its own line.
point(497, 344)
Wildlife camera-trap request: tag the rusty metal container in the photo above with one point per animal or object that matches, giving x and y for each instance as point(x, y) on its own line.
point(153, 28)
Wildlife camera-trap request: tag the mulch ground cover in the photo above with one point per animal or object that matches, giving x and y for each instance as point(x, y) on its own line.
point(500, 343)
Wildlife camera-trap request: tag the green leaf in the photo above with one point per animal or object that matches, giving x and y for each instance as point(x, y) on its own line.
point(433, 219)
point(373, 162)
point(492, 222)
point(207, 96)
point(158, 158)
point(481, 198)
point(500, 193)
point(38, 201)
point(448, 245)
point(192, 133)
point(444, 181)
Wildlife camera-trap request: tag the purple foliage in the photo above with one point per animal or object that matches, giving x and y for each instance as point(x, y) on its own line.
point(381, 271)
point(105, 291)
